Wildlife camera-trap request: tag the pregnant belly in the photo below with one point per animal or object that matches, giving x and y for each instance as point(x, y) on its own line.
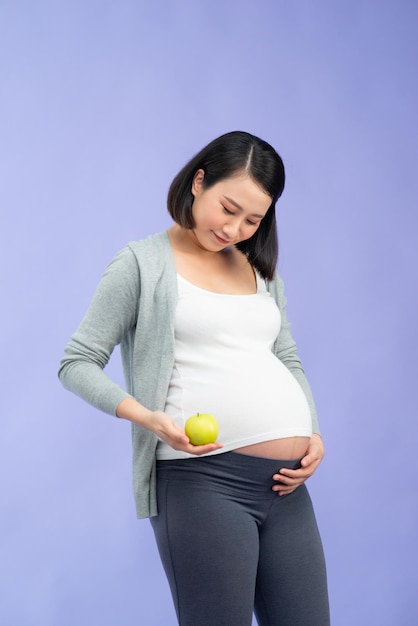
point(288, 448)
point(260, 407)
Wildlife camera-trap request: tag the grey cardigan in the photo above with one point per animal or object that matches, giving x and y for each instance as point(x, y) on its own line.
point(134, 306)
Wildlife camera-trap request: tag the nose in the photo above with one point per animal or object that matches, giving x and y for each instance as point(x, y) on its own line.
point(231, 229)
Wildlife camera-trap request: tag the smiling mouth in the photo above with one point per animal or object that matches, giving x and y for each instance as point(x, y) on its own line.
point(220, 239)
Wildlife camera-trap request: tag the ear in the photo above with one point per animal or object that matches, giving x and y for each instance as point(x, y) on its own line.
point(197, 182)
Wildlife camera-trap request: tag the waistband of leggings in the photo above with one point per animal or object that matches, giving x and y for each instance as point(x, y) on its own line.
point(231, 459)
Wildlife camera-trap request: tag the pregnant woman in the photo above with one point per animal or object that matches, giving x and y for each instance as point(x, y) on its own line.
point(200, 315)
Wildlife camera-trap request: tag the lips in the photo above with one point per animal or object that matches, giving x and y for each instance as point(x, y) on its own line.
point(220, 239)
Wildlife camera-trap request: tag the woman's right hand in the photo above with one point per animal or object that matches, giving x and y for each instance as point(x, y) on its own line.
point(163, 426)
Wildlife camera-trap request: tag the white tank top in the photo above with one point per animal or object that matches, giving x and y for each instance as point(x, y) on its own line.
point(224, 365)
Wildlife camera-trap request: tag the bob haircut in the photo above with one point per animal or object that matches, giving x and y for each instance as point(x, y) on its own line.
point(227, 156)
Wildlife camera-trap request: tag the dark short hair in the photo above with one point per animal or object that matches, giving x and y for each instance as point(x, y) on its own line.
point(225, 157)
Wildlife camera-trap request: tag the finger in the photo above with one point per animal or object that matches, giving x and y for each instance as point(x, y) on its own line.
point(173, 435)
point(291, 474)
point(282, 490)
point(306, 470)
point(286, 481)
point(307, 460)
point(285, 492)
point(199, 450)
point(178, 440)
point(311, 459)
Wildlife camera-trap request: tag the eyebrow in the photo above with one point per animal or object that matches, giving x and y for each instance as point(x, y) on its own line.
point(239, 207)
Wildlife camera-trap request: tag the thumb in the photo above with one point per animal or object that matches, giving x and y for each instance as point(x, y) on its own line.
point(306, 460)
point(180, 435)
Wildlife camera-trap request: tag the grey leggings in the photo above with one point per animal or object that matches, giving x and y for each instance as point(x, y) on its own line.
point(230, 545)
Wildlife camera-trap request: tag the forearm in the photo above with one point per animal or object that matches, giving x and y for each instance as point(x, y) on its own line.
point(111, 315)
point(89, 382)
point(133, 411)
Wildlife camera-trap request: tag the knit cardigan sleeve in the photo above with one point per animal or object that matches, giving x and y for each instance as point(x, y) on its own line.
point(285, 348)
point(110, 315)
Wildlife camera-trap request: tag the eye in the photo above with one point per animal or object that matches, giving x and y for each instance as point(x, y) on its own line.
point(252, 223)
point(227, 211)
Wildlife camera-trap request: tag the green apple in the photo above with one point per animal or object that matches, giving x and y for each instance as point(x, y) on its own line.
point(202, 428)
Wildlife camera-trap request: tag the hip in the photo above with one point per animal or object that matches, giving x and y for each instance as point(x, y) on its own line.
point(227, 472)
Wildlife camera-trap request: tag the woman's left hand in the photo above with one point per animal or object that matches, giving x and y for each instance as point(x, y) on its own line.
point(289, 480)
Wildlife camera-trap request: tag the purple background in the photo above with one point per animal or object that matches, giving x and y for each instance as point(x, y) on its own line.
point(101, 103)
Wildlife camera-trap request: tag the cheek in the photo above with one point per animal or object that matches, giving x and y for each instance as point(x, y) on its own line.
point(248, 231)
point(203, 212)
point(212, 217)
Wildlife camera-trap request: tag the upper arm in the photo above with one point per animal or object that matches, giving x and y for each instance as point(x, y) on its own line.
point(111, 312)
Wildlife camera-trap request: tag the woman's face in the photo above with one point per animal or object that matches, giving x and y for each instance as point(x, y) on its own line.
point(228, 212)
